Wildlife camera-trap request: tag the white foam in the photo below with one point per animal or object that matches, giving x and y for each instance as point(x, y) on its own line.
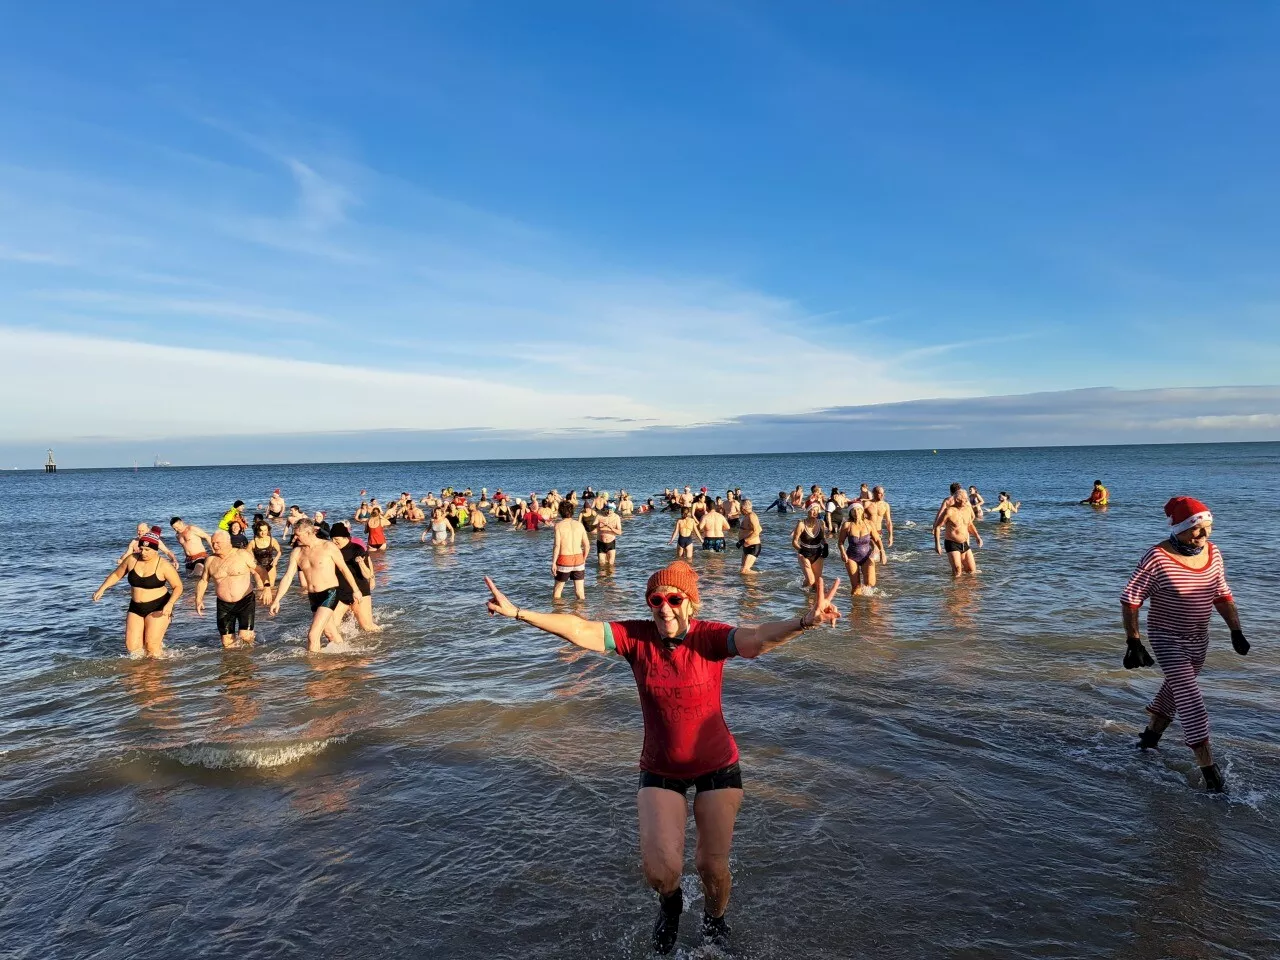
point(224, 756)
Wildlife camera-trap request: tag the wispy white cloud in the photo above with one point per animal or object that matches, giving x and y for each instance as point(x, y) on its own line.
point(100, 387)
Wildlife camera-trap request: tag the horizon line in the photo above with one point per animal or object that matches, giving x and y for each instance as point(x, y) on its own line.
point(646, 456)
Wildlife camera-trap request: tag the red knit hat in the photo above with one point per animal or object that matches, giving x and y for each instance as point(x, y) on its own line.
point(150, 539)
point(677, 574)
point(1185, 513)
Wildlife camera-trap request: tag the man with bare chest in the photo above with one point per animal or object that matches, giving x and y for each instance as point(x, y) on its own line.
point(321, 564)
point(955, 516)
point(880, 515)
point(192, 539)
point(233, 572)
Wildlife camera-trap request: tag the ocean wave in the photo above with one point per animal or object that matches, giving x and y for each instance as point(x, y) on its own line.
point(240, 756)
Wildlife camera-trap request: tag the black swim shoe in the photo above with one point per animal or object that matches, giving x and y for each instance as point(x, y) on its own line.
point(1213, 781)
point(1149, 739)
point(667, 929)
point(715, 931)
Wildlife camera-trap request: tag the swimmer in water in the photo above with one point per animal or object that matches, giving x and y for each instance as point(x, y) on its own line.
point(1185, 580)
point(275, 506)
point(266, 551)
point(749, 530)
point(608, 530)
point(440, 530)
point(358, 563)
point(1005, 507)
point(685, 532)
point(154, 589)
point(859, 545)
point(678, 663)
point(191, 539)
point(323, 564)
point(1100, 497)
point(713, 528)
point(956, 517)
point(976, 502)
point(809, 541)
point(569, 554)
point(233, 571)
point(881, 515)
point(375, 530)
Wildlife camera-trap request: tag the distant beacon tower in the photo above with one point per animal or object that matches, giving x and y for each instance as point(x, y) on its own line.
point(49, 465)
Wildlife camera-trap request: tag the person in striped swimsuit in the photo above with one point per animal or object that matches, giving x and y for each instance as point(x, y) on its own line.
point(1185, 581)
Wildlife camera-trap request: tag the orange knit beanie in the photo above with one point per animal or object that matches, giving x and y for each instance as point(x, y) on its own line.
point(677, 574)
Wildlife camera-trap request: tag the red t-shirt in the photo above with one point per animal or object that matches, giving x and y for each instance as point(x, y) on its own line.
point(685, 734)
point(532, 520)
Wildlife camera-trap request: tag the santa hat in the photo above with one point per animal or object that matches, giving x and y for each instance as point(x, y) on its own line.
point(1185, 513)
point(677, 574)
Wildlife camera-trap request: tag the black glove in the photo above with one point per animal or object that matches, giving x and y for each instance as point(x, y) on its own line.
point(1136, 655)
point(1238, 642)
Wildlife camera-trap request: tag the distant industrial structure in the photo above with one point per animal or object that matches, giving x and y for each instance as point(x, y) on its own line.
point(49, 465)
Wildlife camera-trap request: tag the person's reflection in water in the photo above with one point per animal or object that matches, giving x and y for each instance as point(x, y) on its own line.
point(337, 695)
point(338, 699)
point(960, 603)
point(148, 684)
point(239, 682)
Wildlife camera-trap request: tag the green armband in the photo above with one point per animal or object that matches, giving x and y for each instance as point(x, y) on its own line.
point(609, 645)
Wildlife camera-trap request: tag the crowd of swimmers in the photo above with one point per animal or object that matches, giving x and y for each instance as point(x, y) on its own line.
point(677, 659)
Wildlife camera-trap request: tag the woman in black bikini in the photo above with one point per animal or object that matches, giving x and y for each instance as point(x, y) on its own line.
point(156, 587)
point(266, 556)
point(809, 540)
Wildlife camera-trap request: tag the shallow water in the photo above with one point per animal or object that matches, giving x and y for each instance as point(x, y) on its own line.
point(948, 773)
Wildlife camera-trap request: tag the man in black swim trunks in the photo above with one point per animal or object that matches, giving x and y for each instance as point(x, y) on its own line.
point(322, 564)
point(234, 574)
point(956, 516)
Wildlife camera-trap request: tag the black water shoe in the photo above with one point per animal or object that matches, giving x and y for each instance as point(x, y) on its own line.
point(1213, 781)
point(1149, 739)
point(667, 929)
point(715, 931)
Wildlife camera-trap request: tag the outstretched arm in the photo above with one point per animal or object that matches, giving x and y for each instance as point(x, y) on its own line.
point(753, 641)
point(588, 634)
point(113, 578)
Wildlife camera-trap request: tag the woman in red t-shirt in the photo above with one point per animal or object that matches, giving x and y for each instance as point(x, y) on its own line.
point(678, 663)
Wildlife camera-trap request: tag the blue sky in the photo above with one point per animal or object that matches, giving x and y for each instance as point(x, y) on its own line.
point(520, 217)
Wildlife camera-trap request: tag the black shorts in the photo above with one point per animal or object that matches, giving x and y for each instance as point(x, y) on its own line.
point(602, 547)
point(563, 576)
point(323, 598)
point(751, 551)
point(722, 779)
point(954, 546)
point(237, 616)
point(192, 561)
point(144, 608)
point(734, 522)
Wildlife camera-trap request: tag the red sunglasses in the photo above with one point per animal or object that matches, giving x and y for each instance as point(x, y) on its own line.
point(672, 600)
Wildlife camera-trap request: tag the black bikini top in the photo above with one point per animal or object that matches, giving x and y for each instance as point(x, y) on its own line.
point(153, 582)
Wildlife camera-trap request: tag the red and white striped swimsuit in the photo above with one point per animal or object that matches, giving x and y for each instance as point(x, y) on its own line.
point(1181, 598)
point(1182, 601)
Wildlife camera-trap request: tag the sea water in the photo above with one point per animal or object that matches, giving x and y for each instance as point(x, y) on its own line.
point(949, 772)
